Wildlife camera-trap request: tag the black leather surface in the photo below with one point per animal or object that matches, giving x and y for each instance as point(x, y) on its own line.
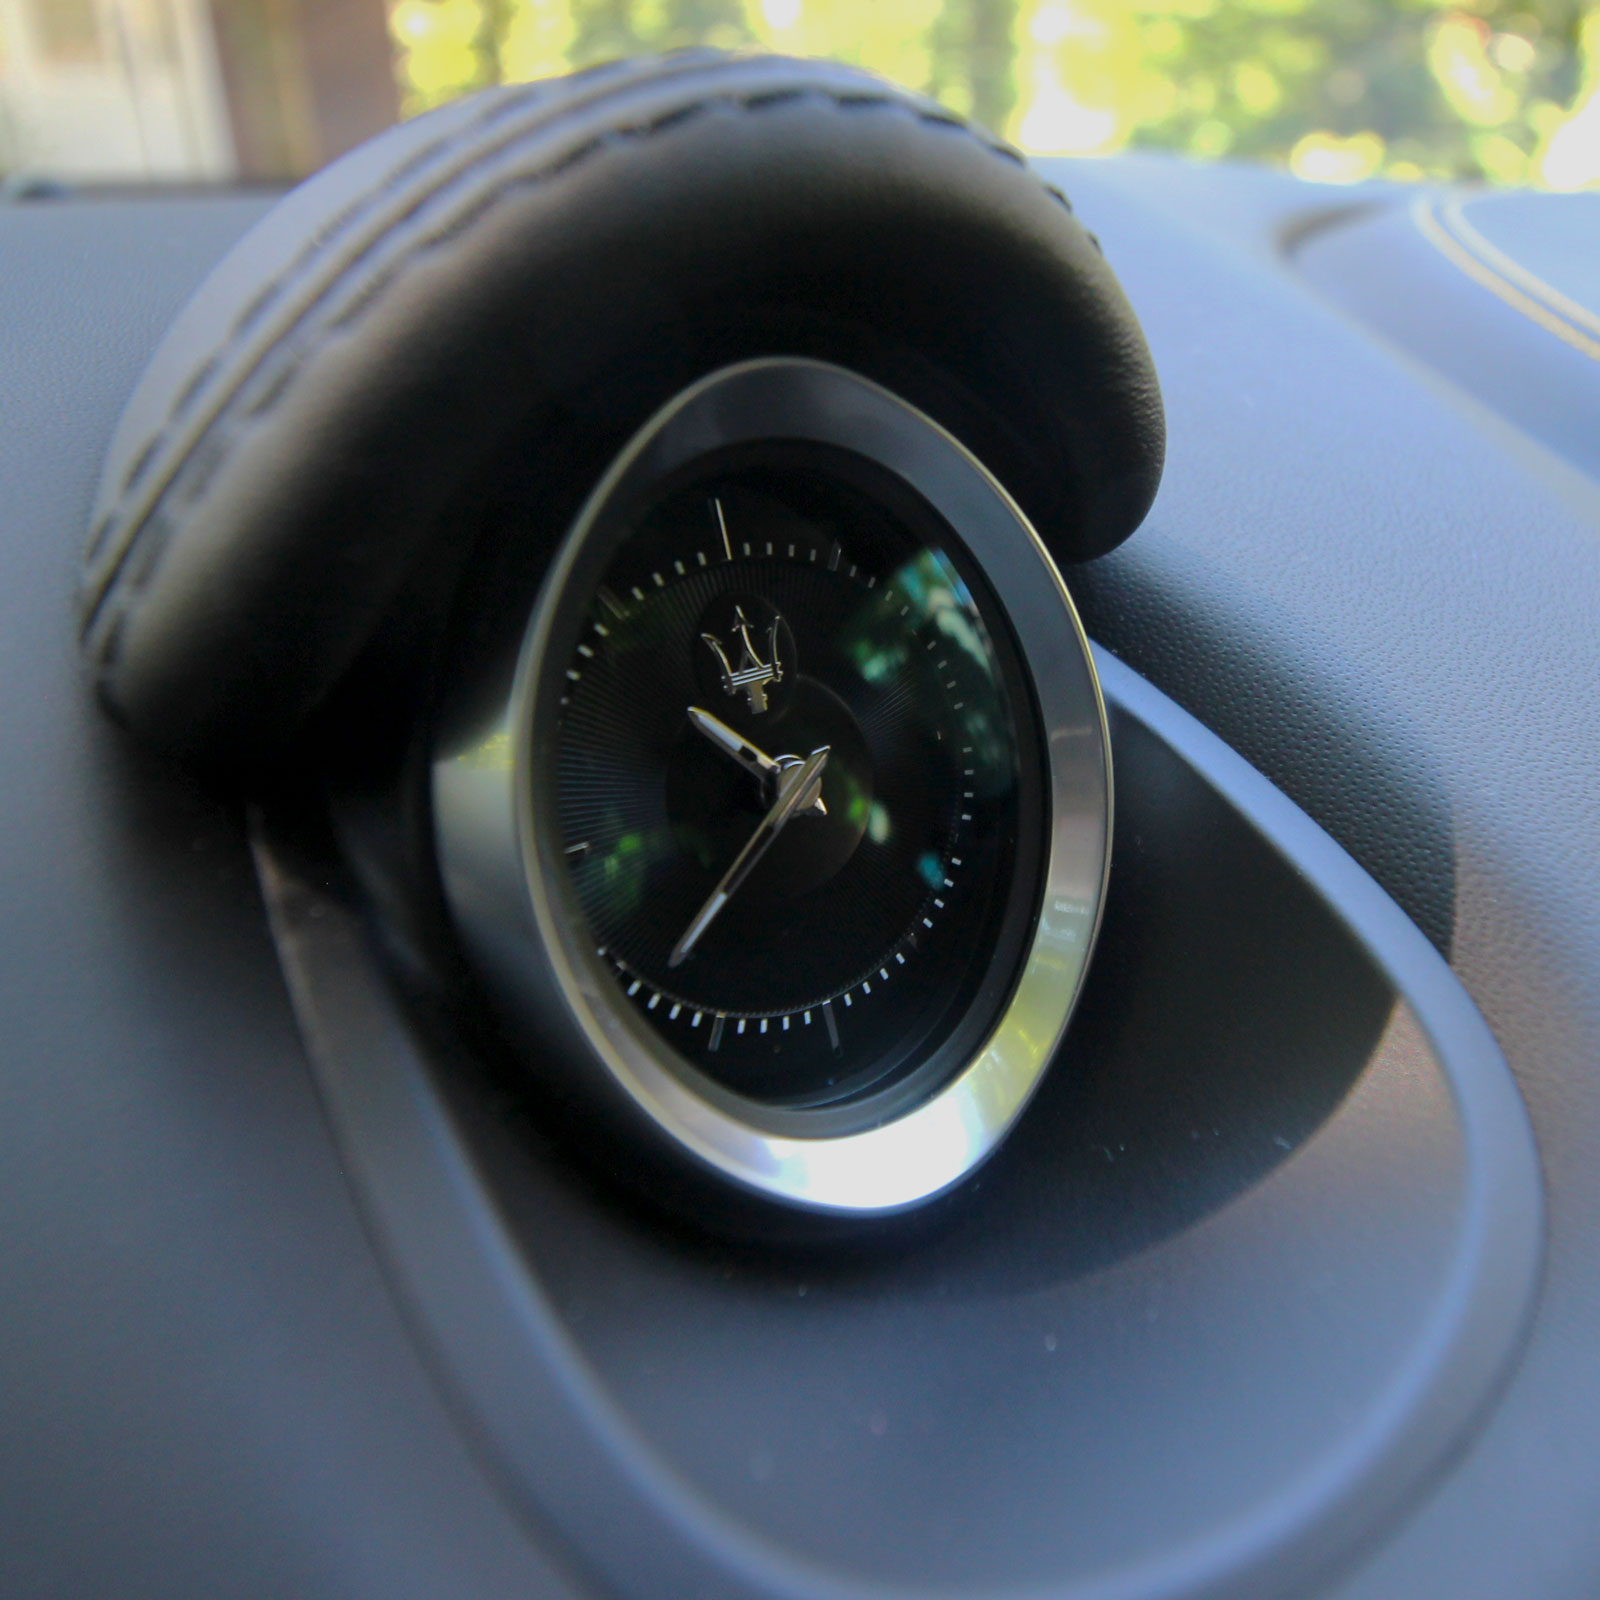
point(564, 258)
point(1387, 598)
point(1488, 291)
point(1375, 588)
point(204, 1388)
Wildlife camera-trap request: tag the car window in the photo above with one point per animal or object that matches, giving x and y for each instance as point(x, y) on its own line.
point(1506, 91)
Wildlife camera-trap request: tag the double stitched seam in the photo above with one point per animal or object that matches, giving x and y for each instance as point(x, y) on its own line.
point(332, 232)
point(153, 531)
point(1449, 232)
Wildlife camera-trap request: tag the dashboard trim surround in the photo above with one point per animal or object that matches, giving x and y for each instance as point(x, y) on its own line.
point(570, 1457)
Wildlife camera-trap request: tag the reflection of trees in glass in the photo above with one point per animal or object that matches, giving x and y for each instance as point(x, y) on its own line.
point(1507, 89)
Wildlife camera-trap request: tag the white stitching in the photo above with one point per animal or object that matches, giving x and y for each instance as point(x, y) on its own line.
point(112, 594)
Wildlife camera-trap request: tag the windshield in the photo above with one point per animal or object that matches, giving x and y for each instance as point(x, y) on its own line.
point(1506, 91)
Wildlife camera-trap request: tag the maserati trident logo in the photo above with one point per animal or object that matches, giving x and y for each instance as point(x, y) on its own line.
point(752, 674)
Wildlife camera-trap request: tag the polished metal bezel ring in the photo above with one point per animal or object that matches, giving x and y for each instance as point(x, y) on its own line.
point(512, 899)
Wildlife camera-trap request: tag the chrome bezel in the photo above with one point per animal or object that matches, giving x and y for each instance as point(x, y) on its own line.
point(510, 894)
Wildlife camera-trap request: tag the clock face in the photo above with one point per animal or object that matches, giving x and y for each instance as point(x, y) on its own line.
point(797, 780)
point(779, 834)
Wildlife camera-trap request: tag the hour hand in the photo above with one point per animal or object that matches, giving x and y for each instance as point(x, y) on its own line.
point(751, 757)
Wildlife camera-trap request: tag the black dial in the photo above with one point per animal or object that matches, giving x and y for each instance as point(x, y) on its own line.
point(796, 779)
point(781, 835)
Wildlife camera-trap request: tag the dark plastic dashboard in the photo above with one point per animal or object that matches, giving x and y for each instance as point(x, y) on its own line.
point(1371, 570)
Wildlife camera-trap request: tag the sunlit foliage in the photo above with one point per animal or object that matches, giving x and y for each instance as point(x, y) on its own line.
point(1506, 90)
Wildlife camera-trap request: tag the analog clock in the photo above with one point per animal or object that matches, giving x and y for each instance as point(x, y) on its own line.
point(792, 820)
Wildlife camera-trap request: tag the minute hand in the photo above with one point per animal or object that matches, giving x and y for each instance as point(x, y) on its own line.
point(796, 790)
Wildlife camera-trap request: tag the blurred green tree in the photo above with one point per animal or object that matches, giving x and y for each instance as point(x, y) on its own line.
point(1507, 90)
point(973, 56)
point(1414, 88)
point(604, 29)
